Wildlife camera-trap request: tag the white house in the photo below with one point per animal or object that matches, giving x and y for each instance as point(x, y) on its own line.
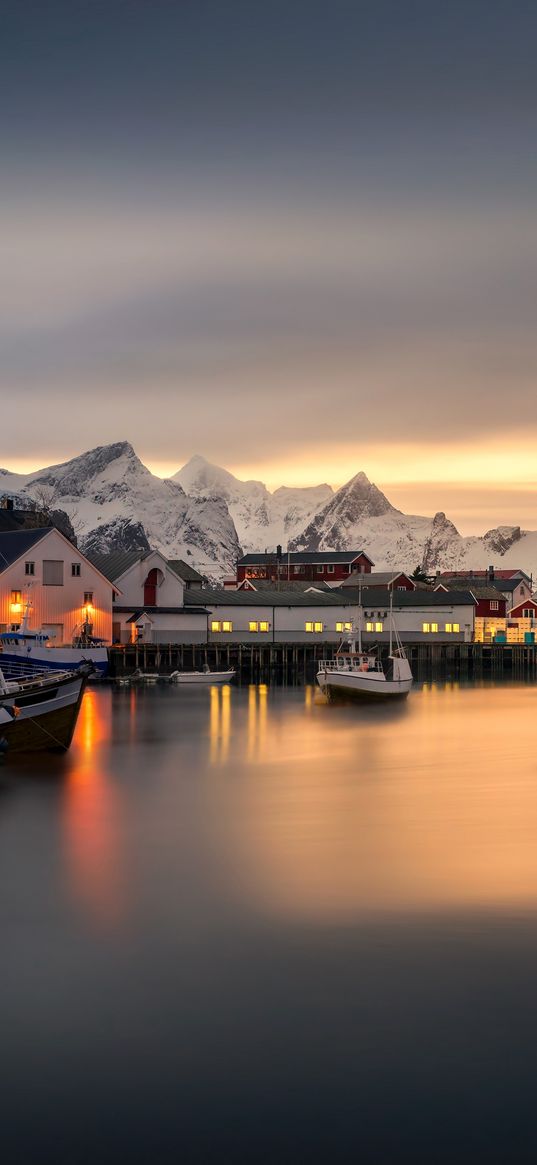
point(64, 589)
point(151, 605)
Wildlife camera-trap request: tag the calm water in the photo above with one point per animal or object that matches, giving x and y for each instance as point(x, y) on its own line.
point(243, 925)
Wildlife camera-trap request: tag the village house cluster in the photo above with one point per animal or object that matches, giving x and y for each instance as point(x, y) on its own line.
point(133, 597)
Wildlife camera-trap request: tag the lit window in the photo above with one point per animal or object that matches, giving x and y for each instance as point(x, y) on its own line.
point(215, 625)
point(318, 626)
point(426, 627)
point(15, 602)
point(434, 626)
point(88, 597)
point(343, 626)
point(29, 568)
point(308, 626)
point(370, 626)
point(456, 626)
point(449, 626)
point(75, 569)
point(378, 626)
point(253, 626)
point(263, 626)
point(227, 626)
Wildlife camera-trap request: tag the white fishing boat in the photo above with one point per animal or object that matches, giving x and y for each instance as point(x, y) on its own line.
point(37, 647)
point(202, 677)
point(364, 673)
point(38, 710)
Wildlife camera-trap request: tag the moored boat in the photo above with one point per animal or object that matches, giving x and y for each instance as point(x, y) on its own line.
point(202, 677)
point(37, 648)
point(39, 710)
point(354, 671)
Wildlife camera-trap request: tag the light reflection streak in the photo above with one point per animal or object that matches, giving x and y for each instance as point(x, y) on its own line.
point(91, 817)
point(219, 723)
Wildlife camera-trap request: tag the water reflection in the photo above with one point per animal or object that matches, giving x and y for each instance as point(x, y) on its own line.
point(91, 814)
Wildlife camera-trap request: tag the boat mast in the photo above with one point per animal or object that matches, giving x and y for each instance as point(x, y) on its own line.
point(391, 619)
point(359, 617)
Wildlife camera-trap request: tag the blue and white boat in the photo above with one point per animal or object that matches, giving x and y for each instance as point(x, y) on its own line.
point(37, 647)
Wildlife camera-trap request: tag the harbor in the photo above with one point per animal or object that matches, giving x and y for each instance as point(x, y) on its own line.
point(287, 663)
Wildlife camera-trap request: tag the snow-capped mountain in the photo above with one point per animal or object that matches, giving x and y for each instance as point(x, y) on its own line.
point(261, 519)
point(209, 517)
point(115, 502)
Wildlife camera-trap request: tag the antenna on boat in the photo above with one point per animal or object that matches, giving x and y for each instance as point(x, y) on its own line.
point(359, 617)
point(391, 619)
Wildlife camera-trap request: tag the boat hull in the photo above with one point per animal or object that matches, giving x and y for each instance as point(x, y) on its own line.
point(200, 677)
point(46, 718)
point(58, 658)
point(366, 686)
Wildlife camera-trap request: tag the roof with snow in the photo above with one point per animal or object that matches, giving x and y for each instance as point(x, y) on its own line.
point(14, 543)
point(481, 590)
point(378, 578)
point(298, 556)
point(266, 584)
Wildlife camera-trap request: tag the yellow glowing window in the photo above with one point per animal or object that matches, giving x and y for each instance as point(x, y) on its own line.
point(426, 627)
point(215, 625)
point(378, 626)
point(456, 626)
point(227, 626)
point(308, 626)
point(253, 626)
point(449, 626)
point(263, 626)
point(370, 626)
point(15, 596)
point(343, 626)
point(434, 626)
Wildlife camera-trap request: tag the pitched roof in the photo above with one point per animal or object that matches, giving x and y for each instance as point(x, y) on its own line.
point(298, 556)
point(14, 543)
point(185, 572)
point(377, 597)
point(267, 584)
point(481, 590)
point(218, 597)
point(379, 578)
point(160, 611)
point(115, 564)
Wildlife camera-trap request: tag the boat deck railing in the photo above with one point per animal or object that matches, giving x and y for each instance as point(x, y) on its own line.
point(351, 663)
point(27, 671)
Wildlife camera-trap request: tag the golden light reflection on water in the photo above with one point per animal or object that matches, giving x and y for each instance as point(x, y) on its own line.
point(220, 723)
point(430, 805)
point(91, 816)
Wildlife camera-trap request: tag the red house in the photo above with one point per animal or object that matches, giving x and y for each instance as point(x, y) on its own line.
point(304, 565)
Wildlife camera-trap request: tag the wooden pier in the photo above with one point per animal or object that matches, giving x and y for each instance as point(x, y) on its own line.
point(294, 662)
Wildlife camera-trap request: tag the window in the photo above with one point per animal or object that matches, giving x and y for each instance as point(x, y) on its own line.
point(319, 569)
point(528, 613)
point(88, 598)
point(434, 627)
point(330, 568)
point(343, 626)
point(298, 569)
point(318, 627)
point(263, 626)
point(215, 625)
point(75, 570)
point(378, 626)
point(29, 568)
point(456, 626)
point(227, 626)
point(494, 606)
point(15, 596)
point(426, 627)
point(453, 627)
point(253, 626)
point(308, 626)
point(313, 627)
point(52, 572)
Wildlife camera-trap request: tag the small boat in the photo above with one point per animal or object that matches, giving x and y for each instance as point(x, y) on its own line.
point(354, 671)
point(39, 710)
point(202, 677)
point(37, 648)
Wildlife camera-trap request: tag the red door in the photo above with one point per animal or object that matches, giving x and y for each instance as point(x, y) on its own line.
point(150, 589)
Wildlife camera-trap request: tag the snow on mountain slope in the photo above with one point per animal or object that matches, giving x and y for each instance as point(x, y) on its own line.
point(115, 502)
point(107, 489)
point(360, 516)
point(261, 519)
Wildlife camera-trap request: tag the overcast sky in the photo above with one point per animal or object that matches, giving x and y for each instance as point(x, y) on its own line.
point(298, 237)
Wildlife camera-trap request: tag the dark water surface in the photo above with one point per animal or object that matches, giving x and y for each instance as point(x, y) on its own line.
point(243, 925)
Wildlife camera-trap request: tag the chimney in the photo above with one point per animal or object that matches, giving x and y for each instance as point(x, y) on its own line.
point(278, 552)
point(490, 574)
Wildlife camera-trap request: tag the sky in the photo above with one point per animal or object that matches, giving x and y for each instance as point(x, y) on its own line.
point(296, 237)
